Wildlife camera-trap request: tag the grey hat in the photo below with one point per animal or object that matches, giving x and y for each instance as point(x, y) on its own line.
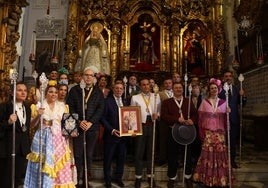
point(183, 134)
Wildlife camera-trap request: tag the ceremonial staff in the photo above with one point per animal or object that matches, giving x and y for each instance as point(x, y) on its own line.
point(241, 79)
point(13, 77)
point(188, 117)
point(125, 85)
point(35, 75)
point(44, 81)
point(185, 85)
point(83, 86)
point(226, 87)
point(155, 89)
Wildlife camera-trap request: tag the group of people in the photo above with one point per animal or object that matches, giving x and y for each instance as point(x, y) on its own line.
point(66, 160)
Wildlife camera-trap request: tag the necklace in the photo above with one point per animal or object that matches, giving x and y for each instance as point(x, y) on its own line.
point(147, 102)
point(179, 104)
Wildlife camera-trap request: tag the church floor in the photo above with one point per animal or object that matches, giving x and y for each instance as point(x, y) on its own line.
point(252, 173)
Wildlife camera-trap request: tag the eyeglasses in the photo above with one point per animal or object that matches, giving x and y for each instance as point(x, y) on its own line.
point(89, 75)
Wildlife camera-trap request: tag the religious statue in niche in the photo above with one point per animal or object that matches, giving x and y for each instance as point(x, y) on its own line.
point(95, 51)
point(194, 53)
point(144, 44)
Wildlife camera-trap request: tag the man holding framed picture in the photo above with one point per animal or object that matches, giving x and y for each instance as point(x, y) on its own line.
point(114, 144)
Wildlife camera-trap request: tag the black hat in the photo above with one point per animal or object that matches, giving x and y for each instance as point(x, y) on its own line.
point(183, 134)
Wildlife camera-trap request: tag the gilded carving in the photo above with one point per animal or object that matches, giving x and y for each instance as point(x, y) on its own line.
point(220, 45)
point(172, 18)
point(9, 18)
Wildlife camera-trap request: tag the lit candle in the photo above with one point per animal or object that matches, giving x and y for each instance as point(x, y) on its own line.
point(185, 53)
point(11, 72)
point(208, 55)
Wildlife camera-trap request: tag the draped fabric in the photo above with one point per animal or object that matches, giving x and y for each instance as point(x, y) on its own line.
point(56, 164)
point(212, 167)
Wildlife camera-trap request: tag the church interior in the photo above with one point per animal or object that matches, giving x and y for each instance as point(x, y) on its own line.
point(148, 38)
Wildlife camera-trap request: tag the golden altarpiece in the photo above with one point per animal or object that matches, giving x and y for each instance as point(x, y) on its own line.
point(142, 36)
point(151, 36)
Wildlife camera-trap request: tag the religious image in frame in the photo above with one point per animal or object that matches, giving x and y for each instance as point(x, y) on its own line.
point(130, 121)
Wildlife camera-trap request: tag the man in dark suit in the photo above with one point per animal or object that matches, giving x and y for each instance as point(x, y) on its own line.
point(114, 145)
point(234, 103)
point(94, 105)
point(21, 118)
point(132, 88)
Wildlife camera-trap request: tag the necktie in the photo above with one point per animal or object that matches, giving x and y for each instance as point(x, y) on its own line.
point(119, 102)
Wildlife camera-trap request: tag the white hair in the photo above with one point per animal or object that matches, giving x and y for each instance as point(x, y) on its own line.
point(93, 68)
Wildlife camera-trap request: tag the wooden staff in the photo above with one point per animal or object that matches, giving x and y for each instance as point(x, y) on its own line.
point(83, 86)
point(44, 81)
point(13, 77)
point(156, 89)
point(241, 79)
point(226, 87)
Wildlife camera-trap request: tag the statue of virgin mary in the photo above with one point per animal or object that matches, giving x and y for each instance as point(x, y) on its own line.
point(94, 51)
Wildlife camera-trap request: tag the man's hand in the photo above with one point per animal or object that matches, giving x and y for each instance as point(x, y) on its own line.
point(12, 119)
point(241, 92)
point(85, 125)
point(116, 133)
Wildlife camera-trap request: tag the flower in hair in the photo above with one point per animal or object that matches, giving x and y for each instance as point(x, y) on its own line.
point(217, 82)
point(52, 82)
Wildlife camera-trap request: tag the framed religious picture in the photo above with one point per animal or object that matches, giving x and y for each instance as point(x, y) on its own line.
point(130, 120)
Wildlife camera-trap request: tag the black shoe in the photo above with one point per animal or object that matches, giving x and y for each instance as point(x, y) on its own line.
point(170, 183)
point(119, 183)
point(234, 165)
point(108, 184)
point(138, 183)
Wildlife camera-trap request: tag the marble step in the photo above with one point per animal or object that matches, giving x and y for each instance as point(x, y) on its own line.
point(246, 172)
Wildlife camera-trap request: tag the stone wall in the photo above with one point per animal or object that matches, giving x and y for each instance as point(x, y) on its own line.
point(256, 88)
point(255, 113)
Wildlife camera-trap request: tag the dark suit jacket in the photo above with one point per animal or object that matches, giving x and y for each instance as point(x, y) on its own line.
point(22, 139)
point(234, 101)
point(95, 105)
point(129, 95)
point(110, 117)
point(170, 111)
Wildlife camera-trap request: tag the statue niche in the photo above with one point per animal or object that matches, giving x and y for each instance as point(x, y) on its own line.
point(145, 45)
point(95, 50)
point(195, 52)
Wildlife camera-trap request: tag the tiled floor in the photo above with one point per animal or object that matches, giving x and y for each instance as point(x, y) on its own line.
point(253, 172)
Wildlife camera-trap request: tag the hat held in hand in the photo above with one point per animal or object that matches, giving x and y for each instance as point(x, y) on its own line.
point(183, 134)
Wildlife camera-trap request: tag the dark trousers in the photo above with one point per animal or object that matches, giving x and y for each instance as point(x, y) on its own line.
point(6, 172)
point(163, 141)
point(91, 139)
point(114, 149)
point(143, 144)
point(174, 150)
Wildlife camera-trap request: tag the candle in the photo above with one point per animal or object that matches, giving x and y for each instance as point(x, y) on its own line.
point(185, 53)
point(11, 72)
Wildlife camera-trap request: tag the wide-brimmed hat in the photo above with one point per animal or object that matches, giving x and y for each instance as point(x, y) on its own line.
point(183, 134)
